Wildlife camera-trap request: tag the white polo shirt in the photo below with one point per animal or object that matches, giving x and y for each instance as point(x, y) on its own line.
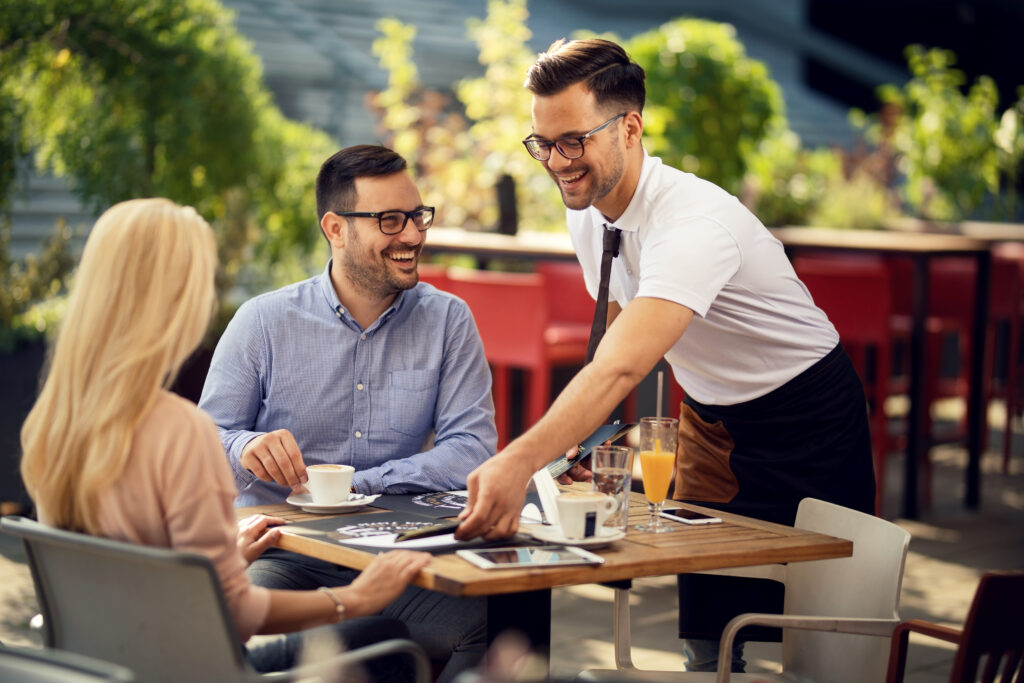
point(688, 241)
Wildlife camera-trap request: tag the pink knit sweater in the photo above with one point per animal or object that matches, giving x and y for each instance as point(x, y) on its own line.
point(177, 492)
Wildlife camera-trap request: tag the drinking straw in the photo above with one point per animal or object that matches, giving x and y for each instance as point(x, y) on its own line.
point(661, 380)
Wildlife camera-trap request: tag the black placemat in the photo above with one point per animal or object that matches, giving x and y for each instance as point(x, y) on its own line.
point(436, 505)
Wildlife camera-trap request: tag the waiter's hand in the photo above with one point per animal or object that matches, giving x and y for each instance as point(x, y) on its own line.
point(497, 490)
point(275, 457)
point(578, 472)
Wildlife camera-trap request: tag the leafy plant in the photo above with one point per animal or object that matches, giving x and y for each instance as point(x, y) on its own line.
point(1009, 139)
point(130, 98)
point(785, 182)
point(709, 106)
point(461, 148)
point(37, 279)
point(942, 136)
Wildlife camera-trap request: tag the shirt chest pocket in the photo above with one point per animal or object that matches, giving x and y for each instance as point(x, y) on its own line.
point(411, 398)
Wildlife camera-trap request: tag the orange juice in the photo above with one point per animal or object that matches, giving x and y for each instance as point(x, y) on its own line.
point(657, 468)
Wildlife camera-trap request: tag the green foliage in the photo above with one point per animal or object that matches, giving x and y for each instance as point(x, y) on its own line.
point(785, 182)
point(460, 150)
point(943, 136)
point(709, 106)
point(35, 279)
point(131, 98)
point(1009, 139)
point(859, 202)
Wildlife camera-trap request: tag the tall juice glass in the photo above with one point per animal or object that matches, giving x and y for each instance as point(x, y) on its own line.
point(657, 463)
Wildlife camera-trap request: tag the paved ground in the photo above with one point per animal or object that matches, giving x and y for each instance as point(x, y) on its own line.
point(950, 549)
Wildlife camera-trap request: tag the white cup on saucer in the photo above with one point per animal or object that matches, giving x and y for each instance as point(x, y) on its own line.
point(582, 513)
point(329, 484)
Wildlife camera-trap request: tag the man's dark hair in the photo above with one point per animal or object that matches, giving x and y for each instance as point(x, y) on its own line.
point(335, 183)
point(605, 67)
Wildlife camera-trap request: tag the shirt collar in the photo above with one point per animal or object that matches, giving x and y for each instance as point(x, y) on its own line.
point(338, 310)
point(632, 218)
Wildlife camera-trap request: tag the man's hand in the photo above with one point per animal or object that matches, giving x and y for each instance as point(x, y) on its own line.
point(497, 489)
point(256, 534)
point(275, 457)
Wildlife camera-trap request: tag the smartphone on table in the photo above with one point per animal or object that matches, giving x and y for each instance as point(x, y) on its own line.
point(689, 516)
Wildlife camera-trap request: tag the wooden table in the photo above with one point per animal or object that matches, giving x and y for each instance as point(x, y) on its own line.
point(531, 246)
point(979, 230)
point(919, 247)
point(521, 598)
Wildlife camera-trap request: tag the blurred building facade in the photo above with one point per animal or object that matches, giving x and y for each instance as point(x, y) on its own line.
point(319, 66)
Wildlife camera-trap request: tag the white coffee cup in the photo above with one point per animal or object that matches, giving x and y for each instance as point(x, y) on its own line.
point(329, 484)
point(582, 513)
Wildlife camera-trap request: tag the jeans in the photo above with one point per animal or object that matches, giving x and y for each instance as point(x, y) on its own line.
point(702, 655)
point(282, 652)
point(452, 630)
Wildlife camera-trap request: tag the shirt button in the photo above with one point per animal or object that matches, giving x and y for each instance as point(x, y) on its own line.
point(359, 434)
point(362, 336)
point(359, 386)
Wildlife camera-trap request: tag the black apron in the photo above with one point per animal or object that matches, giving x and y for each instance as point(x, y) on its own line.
point(808, 438)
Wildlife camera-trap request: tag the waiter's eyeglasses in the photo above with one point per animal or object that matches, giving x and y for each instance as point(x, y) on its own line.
point(568, 147)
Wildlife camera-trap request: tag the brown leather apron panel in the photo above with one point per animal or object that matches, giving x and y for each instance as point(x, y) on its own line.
point(702, 460)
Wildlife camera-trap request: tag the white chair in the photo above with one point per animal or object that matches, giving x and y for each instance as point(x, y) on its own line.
point(160, 613)
point(838, 617)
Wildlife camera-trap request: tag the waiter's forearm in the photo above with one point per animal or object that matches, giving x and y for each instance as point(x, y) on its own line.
point(644, 331)
point(582, 407)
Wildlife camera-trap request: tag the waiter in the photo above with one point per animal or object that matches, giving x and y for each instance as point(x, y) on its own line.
point(774, 411)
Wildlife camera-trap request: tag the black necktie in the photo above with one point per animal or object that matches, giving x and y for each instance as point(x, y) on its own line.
point(597, 328)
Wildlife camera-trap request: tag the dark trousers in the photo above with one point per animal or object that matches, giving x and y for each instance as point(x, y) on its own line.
point(808, 438)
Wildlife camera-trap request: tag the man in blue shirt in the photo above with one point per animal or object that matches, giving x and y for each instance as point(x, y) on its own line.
point(363, 366)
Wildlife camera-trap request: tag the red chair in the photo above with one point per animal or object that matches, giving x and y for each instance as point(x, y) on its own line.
point(990, 645)
point(434, 274)
point(856, 294)
point(570, 304)
point(572, 312)
point(512, 314)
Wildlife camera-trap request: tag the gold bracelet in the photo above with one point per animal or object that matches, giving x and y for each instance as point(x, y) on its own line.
point(339, 608)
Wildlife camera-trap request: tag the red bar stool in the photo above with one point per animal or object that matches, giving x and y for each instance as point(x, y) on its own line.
point(1007, 308)
point(856, 294)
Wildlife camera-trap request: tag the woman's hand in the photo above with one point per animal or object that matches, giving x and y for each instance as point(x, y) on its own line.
point(256, 534)
point(382, 581)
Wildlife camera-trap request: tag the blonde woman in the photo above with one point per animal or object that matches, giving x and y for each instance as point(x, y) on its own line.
point(109, 451)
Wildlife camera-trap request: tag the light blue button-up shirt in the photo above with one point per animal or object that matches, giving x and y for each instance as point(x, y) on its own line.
point(295, 359)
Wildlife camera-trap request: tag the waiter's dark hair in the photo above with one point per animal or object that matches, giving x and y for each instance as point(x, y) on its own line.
point(604, 66)
point(335, 183)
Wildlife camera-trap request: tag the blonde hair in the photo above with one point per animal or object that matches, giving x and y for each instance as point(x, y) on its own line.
point(141, 301)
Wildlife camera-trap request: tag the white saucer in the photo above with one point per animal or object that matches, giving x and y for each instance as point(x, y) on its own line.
point(305, 501)
point(553, 534)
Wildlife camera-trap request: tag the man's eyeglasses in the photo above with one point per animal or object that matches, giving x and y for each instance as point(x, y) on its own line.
point(569, 147)
point(393, 222)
